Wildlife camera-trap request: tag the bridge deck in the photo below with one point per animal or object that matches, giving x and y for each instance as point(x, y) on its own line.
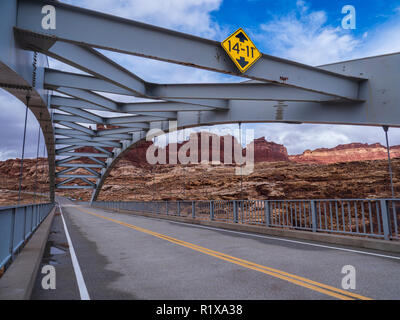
point(130, 257)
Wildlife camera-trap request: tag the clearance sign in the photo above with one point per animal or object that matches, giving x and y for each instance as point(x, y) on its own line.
point(241, 50)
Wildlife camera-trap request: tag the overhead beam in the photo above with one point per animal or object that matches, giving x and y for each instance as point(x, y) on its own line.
point(95, 63)
point(76, 126)
point(56, 101)
point(75, 187)
point(125, 127)
point(145, 40)
point(96, 160)
point(133, 119)
point(65, 149)
point(236, 91)
point(66, 170)
point(58, 117)
point(75, 176)
point(87, 143)
point(88, 181)
point(60, 79)
point(90, 97)
point(62, 131)
point(82, 113)
point(64, 182)
point(92, 172)
point(81, 165)
point(82, 154)
point(76, 134)
point(161, 106)
point(57, 78)
point(226, 91)
point(67, 160)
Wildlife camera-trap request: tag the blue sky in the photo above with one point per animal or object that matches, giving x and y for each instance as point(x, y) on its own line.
point(308, 31)
point(252, 13)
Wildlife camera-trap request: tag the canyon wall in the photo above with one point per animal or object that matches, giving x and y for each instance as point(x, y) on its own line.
point(346, 153)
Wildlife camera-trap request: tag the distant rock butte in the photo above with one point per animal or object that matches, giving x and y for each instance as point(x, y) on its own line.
point(264, 151)
point(346, 153)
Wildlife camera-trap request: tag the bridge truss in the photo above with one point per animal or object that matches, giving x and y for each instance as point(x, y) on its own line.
point(357, 92)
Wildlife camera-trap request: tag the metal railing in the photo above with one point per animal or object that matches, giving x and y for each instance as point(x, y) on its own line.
point(17, 224)
point(378, 218)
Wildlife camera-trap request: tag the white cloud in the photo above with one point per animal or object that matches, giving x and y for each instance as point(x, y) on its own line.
point(12, 116)
point(191, 16)
point(304, 36)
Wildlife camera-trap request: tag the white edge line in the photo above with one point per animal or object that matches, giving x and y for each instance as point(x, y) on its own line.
point(78, 273)
point(278, 239)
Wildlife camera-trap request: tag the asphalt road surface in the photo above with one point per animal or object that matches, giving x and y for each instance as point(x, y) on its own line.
point(122, 256)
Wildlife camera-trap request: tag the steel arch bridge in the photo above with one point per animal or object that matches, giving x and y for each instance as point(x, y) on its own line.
point(357, 92)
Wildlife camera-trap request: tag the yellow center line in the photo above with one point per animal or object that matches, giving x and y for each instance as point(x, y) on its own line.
point(298, 280)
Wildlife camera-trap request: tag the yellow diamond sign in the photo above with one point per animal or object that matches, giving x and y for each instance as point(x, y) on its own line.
point(241, 50)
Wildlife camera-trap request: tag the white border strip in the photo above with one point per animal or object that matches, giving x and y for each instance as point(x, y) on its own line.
point(78, 273)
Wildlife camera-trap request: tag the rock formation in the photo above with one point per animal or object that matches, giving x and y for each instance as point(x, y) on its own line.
point(346, 153)
point(347, 171)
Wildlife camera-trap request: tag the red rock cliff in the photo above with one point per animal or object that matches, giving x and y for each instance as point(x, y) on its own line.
point(346, 153)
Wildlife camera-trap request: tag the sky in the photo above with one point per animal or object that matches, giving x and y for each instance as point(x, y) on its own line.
point(307, 31)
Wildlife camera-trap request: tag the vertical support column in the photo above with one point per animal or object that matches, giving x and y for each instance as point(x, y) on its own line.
point(266, 212)
point(386, 128)
point(193, 209)
point(242, 211)
point(211, 210)
point(385, 220)
point(313, 216)
point(235, 212)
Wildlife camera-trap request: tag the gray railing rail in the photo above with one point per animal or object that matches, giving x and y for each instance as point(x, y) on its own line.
point(378, 218)
point(17, 224)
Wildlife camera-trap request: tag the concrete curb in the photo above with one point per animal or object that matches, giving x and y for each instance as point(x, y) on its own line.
point(352, 241)
point(18, 281)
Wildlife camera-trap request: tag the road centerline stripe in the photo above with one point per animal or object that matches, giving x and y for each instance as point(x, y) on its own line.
point(298, 280)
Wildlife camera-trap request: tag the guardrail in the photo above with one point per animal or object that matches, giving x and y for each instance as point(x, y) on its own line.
point(378, 218)
point(17, 224)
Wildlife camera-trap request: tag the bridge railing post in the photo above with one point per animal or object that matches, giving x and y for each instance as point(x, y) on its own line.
point(235, 212)
point(267, 213)
point(179, 208)
point(385, 220)
point(166, 207)
point(313, 216)
point(193, 209)
point(211, 210)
